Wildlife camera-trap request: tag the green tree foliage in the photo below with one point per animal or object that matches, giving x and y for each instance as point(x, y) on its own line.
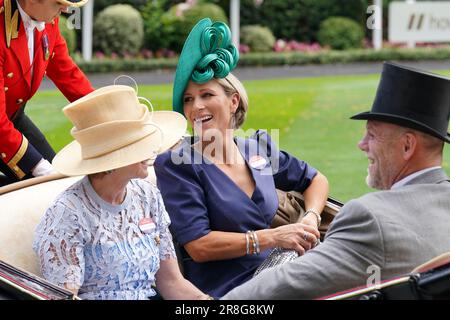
point(152, 13)
point(297, 19)
point(99, 5)
point(176, 25)
point(68, 34)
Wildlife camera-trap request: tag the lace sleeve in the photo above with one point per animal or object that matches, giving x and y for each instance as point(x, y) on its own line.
point(59, 246)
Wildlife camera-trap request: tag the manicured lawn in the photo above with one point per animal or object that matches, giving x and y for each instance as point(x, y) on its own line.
point(312, 116)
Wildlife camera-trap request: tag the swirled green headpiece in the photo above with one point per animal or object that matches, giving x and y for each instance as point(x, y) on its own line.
point(207, 53)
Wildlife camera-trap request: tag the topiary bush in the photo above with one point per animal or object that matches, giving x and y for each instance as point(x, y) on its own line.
point(119, 29)
point(177, 23)
point(340, 33)
point(69, 35)
point(258, 38)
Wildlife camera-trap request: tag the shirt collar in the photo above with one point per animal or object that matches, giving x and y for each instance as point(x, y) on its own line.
point(29, 23)
point(406, 179)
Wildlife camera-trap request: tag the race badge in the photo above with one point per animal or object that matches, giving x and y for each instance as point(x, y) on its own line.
point(257, 162)
point(45, 46)
point(146, 225)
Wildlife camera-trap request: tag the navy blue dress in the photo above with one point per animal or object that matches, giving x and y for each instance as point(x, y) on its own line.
point(200, 198)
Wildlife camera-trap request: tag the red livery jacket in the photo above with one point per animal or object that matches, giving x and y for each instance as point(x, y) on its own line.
point(18, 84)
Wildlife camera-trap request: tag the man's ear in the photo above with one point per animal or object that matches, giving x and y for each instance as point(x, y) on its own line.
point(409, 145)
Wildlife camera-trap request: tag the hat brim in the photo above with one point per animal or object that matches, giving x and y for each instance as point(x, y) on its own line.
point(189, 57)
point(173, 126)
point(402, 121)
point(73, 3)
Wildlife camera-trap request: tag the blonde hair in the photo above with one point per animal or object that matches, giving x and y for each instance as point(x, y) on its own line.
point(232, 85)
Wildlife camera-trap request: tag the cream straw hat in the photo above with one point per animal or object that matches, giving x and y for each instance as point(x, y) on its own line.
point(113, 129)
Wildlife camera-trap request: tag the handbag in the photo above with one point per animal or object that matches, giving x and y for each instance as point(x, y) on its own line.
point(291, 209)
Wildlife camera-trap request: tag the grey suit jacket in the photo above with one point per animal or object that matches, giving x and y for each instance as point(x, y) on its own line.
point(391, 231)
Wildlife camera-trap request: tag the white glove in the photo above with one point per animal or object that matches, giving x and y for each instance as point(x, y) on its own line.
point(43, 168)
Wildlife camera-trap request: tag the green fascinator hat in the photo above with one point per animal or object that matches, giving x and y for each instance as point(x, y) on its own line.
point(207, 53)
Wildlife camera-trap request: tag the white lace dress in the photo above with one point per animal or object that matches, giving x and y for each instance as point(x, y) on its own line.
point(98, 247)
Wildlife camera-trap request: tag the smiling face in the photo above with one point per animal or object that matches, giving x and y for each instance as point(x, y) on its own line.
point(206, 106)
point(43, 10)
point(382, 145)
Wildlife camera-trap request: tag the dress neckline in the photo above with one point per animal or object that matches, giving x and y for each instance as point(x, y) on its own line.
point(104, 204)
point(244, 156)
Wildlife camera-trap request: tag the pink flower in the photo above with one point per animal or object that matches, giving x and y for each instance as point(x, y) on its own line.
point(159, 53)
point(99, 55)
point(317, 47)
point(258, 2)
point(280, 45)
point(243, 48)
point(169, 53)
point(293, 45)
point(147, 54)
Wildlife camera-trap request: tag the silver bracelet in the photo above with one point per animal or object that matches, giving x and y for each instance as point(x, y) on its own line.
point(319, 219)
point(257, 249)
point(252, 236)
point(247, 239)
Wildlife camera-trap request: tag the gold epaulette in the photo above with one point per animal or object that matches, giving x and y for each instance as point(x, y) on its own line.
point(12, 164)
point(11, 22)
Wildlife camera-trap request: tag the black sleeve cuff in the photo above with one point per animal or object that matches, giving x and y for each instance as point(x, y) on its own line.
point(25, 159)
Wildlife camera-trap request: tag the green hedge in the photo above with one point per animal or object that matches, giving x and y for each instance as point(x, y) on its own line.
point(113, 65)
point(276, 59)
point(297, 19)
point(334, 56)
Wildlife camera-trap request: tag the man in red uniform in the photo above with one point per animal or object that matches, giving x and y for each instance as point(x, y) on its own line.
point(31, 46)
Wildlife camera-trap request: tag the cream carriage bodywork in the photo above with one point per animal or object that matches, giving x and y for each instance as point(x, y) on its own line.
point(22, 205)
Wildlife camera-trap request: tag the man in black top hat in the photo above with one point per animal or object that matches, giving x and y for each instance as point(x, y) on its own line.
point(387, 233)
point(410, 113)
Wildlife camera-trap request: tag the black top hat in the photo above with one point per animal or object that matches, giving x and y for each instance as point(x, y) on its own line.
point(412, 98)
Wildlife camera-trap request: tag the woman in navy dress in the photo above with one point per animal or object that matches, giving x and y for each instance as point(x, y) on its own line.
point(220, 190)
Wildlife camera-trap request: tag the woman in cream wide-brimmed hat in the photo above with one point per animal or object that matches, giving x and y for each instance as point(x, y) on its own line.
point(107, 236)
